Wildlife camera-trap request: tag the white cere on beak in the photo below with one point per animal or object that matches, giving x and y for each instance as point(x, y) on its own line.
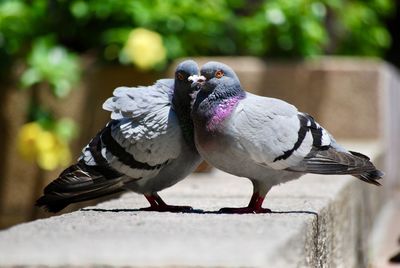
point(195, 78)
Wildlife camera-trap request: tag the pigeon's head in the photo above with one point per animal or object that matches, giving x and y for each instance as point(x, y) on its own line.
point(215, 74)
point(185, 70)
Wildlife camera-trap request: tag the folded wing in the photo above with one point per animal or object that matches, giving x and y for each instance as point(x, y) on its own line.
point(143, 137)
point(276, 135)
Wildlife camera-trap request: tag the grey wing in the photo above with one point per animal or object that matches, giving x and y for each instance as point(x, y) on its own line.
point(331, 158)
point(136, 148)
point(267, 129)
point(138, 101)
point(280, 137)
point(144, 135)
point(154, 138)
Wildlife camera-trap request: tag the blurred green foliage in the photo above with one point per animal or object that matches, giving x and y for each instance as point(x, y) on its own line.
point(48, 36)
point(52, 63)
point(271, 28)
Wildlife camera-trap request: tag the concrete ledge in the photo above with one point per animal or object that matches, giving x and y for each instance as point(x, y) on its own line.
point(317, 222)
point(385, 239)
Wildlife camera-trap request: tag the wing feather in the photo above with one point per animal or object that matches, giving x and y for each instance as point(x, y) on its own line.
point(139, 101)
point(276, 135)
point(267, 129)
point(147, 126)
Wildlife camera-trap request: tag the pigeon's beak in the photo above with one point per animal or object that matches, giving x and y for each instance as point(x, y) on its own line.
point(197, 80)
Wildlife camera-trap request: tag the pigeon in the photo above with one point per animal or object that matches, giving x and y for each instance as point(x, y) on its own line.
point(146, 147)
point(266, 140)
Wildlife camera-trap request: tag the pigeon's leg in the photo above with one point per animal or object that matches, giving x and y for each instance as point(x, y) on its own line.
point(255, 205)
point(157, 204)
point(171, 208)
point(153, 203)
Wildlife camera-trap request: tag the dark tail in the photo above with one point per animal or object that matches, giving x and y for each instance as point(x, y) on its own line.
point(77, 183)
point(371, 177)
point(331, 161)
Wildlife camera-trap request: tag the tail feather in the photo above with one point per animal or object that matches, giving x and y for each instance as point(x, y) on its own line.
point(331, 161)
point(51, 204)
point(371, 177)
point(77, 183)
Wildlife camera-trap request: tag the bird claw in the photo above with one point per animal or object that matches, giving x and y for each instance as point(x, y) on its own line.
point(244, 210)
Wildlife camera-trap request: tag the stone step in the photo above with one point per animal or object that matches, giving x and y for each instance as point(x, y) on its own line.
point(317, 221)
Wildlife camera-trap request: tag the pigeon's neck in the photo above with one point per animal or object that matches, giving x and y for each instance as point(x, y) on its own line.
point(211, 109)
point(221, 111)
point(181, 105)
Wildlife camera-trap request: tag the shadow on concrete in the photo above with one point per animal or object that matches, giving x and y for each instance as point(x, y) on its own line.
point(197, 211)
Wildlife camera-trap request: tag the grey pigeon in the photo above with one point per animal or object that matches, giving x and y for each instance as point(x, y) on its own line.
point(146, 147)
point(264, 139)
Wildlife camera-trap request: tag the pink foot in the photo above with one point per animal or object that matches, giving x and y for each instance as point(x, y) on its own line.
point(157, 204)
point(244, 210)
point(254, 206)
point(168, 208)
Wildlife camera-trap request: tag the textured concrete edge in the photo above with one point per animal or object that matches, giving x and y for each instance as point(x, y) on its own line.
point(339, 234)
point(384, 242)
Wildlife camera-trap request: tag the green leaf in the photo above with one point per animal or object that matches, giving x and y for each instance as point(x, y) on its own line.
point(66, 129)
point(30, 77)
point(54, 64)
point(80, 9)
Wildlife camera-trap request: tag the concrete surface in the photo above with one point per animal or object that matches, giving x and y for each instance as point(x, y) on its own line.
point(317, 221)
point(385, 239)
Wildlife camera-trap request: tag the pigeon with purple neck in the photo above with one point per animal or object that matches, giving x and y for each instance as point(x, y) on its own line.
point(146, 147)
point(264, 139)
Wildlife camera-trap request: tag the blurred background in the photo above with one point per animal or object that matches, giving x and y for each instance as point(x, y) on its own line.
point(61, 59)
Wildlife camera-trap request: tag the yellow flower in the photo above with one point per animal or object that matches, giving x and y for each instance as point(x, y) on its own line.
point(47, 160)
point(43, 146)
point(145, 48)
point(64, 153)
point(52, 151)
point(27, 140)
point(45, 141)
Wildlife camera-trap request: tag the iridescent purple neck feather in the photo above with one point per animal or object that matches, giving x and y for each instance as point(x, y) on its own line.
point(222, 111)
point(212, 108)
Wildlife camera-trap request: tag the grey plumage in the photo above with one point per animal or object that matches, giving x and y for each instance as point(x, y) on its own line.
point(265, 139)
point(146, 147)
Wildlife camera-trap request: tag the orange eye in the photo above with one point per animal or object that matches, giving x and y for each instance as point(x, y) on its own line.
point(219, 74)
point(180, 76)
